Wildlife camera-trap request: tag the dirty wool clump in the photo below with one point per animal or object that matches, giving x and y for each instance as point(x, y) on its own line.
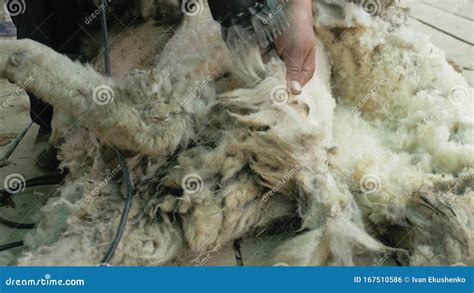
point(374, 158)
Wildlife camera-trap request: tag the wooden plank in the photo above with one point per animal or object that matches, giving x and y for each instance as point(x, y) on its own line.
point(462, 8)
point(453, 25)
point(460, 52)
point(469, 75)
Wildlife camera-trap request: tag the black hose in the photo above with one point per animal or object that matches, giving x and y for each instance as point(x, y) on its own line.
point(57, 178)
point(126, 175)
point(238, 253)
point(11, 245)
point(105, 31)
point(38, 181)
point(15, 225)
point(128, 202)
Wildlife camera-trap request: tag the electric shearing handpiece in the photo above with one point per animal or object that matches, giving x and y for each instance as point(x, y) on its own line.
point(250, 22)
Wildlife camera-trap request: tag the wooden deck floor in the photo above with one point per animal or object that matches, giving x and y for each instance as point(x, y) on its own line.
point(450, 24)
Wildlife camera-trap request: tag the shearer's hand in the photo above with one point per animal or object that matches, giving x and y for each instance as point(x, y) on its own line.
point(297, 45)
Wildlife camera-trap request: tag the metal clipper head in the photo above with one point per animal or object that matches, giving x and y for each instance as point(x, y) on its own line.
point(260, 25)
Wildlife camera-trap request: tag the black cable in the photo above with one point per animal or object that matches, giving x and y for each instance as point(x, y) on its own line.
point(126, 209)
point(11, 245)
point(238, 253)
point(38, 181)
point(126, 175)
point(15, 225)
point(105, 32)
point(54, 178)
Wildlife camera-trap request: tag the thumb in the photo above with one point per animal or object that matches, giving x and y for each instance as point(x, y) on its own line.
point(294, 67)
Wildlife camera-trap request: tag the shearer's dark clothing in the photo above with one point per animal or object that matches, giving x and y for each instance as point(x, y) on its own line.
point(54, 24)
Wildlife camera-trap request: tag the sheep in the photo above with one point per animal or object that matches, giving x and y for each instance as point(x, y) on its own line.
point(375, 157)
